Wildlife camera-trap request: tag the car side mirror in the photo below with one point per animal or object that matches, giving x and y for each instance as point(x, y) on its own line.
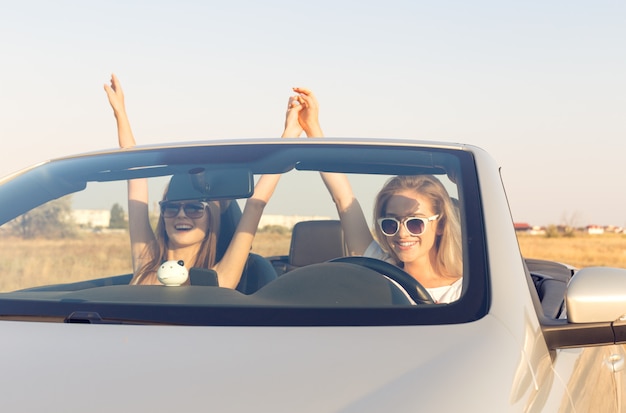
point(596, 295)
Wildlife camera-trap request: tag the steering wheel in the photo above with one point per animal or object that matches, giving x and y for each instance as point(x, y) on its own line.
point(416, 291)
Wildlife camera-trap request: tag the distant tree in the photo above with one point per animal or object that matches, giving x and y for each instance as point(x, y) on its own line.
point(569, 224)
point(50, 220)
point(118, 217)
point(552, 231)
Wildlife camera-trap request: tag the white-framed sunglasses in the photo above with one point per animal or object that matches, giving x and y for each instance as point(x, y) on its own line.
point(414, 225)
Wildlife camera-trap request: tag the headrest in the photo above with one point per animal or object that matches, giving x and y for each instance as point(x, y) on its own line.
point(181, 188)
point(316, 241)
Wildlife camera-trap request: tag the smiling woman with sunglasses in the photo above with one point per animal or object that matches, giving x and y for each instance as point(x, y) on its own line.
point(417, 227)
point(187, 229)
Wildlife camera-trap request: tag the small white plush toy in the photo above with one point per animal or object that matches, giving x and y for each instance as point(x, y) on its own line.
point(172, 273)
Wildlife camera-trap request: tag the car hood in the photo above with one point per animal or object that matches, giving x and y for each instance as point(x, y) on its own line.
point(80, 367)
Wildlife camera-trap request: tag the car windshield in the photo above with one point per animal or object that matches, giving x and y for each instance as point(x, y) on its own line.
point(65, 251)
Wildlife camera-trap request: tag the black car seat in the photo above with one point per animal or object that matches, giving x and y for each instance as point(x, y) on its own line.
point(258, 271)
point(229, 219)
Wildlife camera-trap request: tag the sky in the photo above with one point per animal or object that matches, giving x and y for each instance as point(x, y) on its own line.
point(539, 84)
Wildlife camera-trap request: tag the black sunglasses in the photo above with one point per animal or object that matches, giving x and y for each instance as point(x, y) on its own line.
point(414, 225)
point(193, 210)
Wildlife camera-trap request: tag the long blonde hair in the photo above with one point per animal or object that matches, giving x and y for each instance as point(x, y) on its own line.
point(449, 257)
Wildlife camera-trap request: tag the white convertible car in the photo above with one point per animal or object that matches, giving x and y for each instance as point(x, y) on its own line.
point(307, 329)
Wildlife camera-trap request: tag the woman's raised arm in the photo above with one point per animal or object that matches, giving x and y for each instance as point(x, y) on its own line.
point(356, 232)
point(231, 266)
point(141, 234)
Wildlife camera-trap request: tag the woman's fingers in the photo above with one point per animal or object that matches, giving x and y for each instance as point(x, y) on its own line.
point(293, 102)
point(307, 98)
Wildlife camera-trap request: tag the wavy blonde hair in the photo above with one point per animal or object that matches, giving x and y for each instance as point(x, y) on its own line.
point(449, 257)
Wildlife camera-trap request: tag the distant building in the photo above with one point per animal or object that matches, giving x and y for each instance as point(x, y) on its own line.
point(595, 229)
point(92, 218)
point(287, 221)
point(525, 228)
point(100, 218)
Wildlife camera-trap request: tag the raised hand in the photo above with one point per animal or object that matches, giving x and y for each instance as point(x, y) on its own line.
point(116, 99)
point(292, 127)
point(308, 115)
point(115, 95)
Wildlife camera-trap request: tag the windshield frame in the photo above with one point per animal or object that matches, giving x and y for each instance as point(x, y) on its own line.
point(188, 306)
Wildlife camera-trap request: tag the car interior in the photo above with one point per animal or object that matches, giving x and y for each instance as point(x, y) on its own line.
point(550, 281)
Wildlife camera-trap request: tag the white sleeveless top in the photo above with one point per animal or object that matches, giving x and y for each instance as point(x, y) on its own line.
point(445, 294)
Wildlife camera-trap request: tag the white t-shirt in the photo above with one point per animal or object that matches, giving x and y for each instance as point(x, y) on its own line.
point(445, 294)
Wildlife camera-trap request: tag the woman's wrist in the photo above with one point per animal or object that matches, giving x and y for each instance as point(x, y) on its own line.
point(313, 131)
point(119, 113)
point(292, 132)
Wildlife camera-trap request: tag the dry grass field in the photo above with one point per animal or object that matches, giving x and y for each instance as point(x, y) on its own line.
point(27, 263)
point(608, 250)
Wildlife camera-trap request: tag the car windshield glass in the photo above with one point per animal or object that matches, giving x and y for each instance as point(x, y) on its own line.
point(66, 252)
